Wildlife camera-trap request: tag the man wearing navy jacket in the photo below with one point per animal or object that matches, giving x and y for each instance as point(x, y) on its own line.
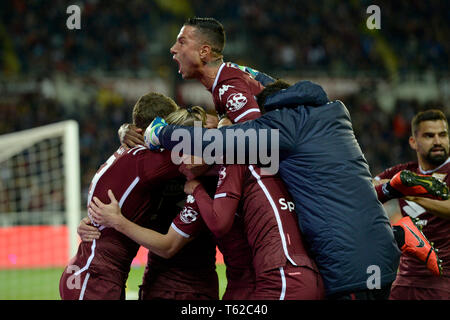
point(328, 177)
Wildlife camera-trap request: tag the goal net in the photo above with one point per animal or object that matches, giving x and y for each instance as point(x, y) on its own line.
point(39, 209)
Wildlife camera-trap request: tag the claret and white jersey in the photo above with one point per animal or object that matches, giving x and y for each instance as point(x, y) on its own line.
point(435, 228)
point(134, 176)
point(234, 94)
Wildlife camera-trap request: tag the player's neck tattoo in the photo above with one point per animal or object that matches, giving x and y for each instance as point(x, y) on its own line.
point(215, 63)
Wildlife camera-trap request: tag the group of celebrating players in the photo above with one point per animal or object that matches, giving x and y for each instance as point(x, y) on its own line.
point(309, 232)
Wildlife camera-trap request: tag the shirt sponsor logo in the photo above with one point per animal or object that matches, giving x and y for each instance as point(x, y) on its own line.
point(236, 101)
point(188, 215)
point(289, 205)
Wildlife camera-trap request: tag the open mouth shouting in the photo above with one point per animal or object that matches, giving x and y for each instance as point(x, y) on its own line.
point(178, 62)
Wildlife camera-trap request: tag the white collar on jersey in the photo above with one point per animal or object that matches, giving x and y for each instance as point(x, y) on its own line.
point(217, 76)
point(433, 170)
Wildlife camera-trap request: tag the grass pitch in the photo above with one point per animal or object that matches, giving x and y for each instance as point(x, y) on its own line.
point(43, 284)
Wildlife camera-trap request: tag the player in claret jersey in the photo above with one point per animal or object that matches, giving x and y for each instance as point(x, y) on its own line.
point(430, 140)
point(233, 93)
point(188, 226)
point(234, 246)
point(198, 52)
point(100, 268)
point(190, 273)
point(282, 264)
point(283, 267)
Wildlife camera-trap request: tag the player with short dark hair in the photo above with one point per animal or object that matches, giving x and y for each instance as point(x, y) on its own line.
point(430, 139)
point(269, 90)
point(428, 115)
point(198, 52)
point(212, 31)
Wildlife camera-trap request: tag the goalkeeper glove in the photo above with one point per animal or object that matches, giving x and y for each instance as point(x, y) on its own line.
point(151, 135)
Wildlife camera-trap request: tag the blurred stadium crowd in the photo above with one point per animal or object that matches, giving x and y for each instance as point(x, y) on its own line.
point(291, 38)
point(132, 36)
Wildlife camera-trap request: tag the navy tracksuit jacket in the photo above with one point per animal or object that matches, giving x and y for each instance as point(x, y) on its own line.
point(324, 169)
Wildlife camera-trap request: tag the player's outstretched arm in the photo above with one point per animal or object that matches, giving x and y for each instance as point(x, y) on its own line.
point(269, 133)
point(109, 215)
point(440, 208)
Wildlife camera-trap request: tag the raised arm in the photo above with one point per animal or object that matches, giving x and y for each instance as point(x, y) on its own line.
point(262, 141)
point(276, 131)
point(231, 136)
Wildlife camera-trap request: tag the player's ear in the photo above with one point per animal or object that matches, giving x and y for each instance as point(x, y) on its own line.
point(205, 52)
point(412, 143)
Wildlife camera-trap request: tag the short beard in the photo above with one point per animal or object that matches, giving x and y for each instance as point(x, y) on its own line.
point(437, 160)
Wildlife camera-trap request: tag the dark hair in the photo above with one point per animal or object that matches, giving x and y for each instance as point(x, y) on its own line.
point(152, 105)
point(269, 90)
point(427, 115)
point(212, 30)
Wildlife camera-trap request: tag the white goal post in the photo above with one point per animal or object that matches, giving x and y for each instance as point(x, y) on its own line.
point(15, 143)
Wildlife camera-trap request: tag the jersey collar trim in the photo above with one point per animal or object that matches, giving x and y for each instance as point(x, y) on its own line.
point(217, 76)
point(433, 170)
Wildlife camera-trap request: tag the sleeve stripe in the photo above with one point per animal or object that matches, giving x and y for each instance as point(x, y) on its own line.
point(220, 195)
point(128, 191)
point(245, 113)
point(183, 234)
